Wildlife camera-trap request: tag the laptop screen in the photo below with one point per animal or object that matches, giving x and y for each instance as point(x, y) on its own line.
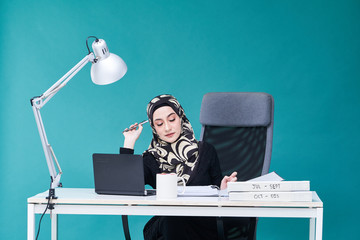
point(119, 174)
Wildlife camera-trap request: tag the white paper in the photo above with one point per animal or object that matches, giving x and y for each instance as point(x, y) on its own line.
point(268, 177)
point(211, 191)
point(199, 191)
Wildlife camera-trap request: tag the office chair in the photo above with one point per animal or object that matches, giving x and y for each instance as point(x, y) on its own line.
point(240, 127)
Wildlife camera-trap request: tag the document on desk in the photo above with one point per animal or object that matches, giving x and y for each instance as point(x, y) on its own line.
point(269, 183)
point(273, 176)
point(199, 191)
point(213, 191)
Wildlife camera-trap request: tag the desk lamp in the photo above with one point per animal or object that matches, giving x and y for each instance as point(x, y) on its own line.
point(106, 68)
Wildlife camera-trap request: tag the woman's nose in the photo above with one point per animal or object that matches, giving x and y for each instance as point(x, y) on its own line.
point(167, 126)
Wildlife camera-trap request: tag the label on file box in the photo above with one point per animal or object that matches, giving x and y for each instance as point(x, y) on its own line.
point(268, 186)
point(305, 196)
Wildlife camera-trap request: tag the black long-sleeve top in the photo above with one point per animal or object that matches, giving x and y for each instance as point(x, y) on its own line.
point(207, 170)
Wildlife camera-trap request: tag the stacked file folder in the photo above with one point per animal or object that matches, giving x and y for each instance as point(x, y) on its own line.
point(270, 190)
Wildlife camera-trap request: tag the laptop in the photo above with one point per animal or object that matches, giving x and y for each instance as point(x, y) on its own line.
point(119, 174)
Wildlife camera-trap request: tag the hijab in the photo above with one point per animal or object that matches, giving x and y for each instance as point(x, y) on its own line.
point(181, 156)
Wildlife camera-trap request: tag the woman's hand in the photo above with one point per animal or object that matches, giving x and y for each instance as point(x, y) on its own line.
point(226, 179)
point(132, 135)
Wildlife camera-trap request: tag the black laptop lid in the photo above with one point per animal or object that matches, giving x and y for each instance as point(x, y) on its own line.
point(119, 174)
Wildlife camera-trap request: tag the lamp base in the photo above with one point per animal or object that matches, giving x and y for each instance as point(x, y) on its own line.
point(51, 196)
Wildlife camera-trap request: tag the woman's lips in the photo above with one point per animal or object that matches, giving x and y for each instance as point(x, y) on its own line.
point(169, 135)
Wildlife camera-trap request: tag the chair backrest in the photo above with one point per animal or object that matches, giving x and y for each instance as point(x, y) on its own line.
point(240, 127)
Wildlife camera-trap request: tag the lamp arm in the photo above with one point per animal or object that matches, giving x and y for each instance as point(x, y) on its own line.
point(46, 96)
point(38, 102)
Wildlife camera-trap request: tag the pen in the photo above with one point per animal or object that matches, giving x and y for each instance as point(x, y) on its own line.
point(145, 121)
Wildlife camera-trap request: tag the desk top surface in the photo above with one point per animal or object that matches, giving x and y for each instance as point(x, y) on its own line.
point(88, 196)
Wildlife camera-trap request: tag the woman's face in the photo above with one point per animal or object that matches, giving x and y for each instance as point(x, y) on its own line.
point(167, 124)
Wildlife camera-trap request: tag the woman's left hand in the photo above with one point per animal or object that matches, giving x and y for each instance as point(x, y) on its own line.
point(226, 179)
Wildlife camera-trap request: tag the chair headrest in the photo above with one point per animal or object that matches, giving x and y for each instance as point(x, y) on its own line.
point(246, 109)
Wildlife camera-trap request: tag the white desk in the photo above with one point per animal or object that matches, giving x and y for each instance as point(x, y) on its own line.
point(86, 201)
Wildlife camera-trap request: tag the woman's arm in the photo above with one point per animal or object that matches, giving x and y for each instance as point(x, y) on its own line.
point(210, 154)
point(215, 171)
point(132, 136)
point(226, 179)
point(126, 150)
point(151, 167)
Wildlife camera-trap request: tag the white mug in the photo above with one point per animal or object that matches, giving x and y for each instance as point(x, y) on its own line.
point(166, 185)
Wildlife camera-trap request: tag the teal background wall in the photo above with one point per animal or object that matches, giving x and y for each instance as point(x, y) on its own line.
point(305, 53)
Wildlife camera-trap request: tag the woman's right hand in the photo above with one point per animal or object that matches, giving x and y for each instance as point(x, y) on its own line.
point(132, 135)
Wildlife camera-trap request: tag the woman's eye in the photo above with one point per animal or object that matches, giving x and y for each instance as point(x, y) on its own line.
point(171, 120)
point(159, 124)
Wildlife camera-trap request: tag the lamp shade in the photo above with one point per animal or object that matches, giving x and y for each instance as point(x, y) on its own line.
point(108, 67)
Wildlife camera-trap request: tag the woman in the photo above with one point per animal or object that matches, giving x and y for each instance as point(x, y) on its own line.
point(174, 149)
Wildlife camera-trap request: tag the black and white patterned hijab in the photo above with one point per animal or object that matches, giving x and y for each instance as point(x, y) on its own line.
point(181, 156)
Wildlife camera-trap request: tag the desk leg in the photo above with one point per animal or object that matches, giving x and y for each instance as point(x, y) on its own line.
point(54, 226)
point(31, 222)
point(312, 229)
point(319, 223)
